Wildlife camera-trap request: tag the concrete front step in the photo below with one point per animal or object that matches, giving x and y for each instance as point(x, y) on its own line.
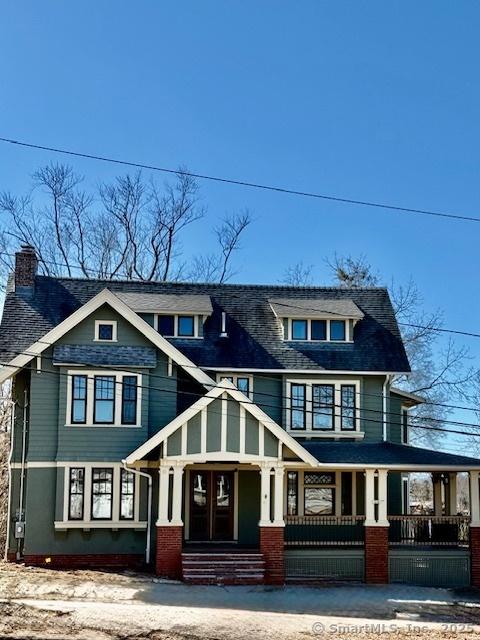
point(223, 568)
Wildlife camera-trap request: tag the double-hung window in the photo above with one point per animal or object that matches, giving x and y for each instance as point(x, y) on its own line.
point(129, 400)
point(298, 406)
point(79, 399)
point(348, 407)
point(76, 495)
point(102, 494)
point(323, 406)
point(127, 495)
point(104, 396)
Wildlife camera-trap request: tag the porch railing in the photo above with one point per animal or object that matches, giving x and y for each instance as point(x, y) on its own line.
point(319, 531)
point(437, 531)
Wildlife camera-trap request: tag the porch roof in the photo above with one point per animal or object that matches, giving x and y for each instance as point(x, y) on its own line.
point(387, 455)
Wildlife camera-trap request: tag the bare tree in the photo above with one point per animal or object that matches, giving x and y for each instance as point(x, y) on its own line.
point(132, 229)
point(298, 275)
point(441, 370)
point(217, 267)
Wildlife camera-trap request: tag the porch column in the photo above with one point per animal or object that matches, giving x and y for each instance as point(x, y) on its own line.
point(169, 531)
point(452, 494)
point(376, 527)
point(272, 534)
point(474, 529)
point(437, 494)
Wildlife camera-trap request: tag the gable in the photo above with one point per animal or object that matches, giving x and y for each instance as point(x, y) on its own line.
point(104, 299)
point(224, 425)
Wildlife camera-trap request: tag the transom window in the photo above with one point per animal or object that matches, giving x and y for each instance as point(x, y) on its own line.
point(103, 399)
point(328, 330)
point(180, 326)
point(330, 407)
point(105, 330)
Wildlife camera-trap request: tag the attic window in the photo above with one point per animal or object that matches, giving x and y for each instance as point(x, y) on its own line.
point(180, 326)
point(105, 331)
point(318, 330)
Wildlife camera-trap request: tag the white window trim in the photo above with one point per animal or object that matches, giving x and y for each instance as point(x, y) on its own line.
point(337, 431)
point(112, 323)
point(91, 373)
point(348, 333)
point(337, 486)
point(235, 376)
point(197, 320)
point(87, 523)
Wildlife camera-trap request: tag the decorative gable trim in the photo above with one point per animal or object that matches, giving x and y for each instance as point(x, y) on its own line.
point(224, 387)
point(105, 297)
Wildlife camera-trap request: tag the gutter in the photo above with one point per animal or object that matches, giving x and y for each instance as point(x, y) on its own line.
point(149, 506)
point(385, 389)
point(10, 476)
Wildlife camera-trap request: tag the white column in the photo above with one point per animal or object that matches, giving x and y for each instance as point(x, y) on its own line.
point(474, 500)
point(370, 497)
point(437, 495)
point(265, 495)
point(382, 498)
point(163, 478)
point(452, 493)
point(177, 495)
point(278, 520)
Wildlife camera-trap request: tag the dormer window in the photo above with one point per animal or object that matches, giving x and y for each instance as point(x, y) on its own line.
point(317, 330)
point(105, 331)
point(180, 326)
point(317, 319)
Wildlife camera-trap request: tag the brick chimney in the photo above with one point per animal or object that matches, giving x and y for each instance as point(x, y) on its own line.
point(25, 270)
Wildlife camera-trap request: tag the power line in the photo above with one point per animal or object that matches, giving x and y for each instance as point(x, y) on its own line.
point(245, 183)
point(263, 404)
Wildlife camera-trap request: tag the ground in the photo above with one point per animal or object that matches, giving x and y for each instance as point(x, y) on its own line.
point(93, 605)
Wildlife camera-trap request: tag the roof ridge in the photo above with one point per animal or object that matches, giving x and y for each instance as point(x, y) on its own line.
point(217, 285)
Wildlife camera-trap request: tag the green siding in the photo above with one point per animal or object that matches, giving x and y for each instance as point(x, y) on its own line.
point(174, 443)
point(233, 426)
point(194, 434)
point(267, 393)
point(372, 407)
point(44, 398)
point(395, 414)
point(248, 507)
point(271, 444)
point(214, 425)
point(251, 434)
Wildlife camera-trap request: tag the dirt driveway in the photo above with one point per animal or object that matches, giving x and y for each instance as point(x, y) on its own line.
point(41, 603)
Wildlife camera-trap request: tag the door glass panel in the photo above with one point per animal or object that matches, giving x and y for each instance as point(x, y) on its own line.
point(199, 490)
point(223, 490)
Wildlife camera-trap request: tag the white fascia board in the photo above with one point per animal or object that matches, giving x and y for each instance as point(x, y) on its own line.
point(105, 297)
point(308, 371)
point(225, 386)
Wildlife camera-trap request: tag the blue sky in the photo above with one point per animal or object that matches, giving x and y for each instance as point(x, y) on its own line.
point(374, 100)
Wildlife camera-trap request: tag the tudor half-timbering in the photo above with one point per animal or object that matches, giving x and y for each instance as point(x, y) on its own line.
point(221, 433)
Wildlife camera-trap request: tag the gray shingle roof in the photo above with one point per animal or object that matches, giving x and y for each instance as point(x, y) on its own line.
point(315, 308)
point(165, 303)
point(383, 453)
point(254, 333)
point(105, 354)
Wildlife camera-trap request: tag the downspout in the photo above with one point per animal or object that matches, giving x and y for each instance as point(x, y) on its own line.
point(10, 475)
point(22, 473)
point(149, 505)
point(386, 387)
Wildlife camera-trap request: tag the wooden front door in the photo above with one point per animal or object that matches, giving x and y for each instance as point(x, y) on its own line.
point(211, 505)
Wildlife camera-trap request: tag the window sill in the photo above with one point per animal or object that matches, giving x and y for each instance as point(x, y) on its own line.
point(99, 524)
point(302, 341)
point(359, 435)
point(104, 426)
point(104, 341)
